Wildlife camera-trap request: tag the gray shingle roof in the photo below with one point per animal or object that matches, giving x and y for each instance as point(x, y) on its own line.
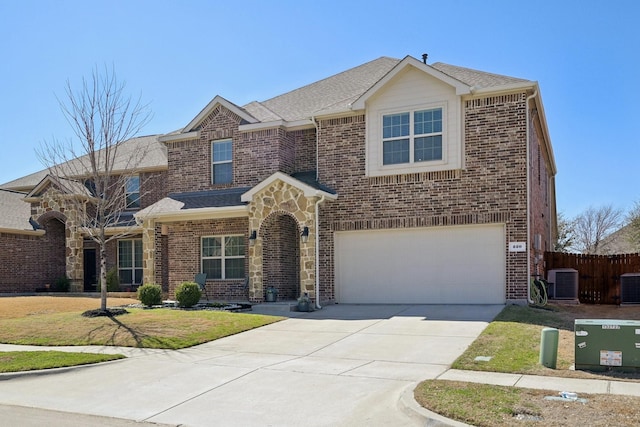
point(14, 212)
point(331, 95)
point(211, 198)
point(335, 92)
point(479, 79)
point(155, 156)
point(309, 178)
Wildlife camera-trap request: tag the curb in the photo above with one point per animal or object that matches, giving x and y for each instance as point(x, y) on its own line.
point(413, 409)
point(4, 376)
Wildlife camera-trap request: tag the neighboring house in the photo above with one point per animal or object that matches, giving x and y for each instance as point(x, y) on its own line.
point(392, 182)
point(620, 241)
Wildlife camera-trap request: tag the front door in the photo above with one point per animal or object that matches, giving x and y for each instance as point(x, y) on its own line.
point(90, 280)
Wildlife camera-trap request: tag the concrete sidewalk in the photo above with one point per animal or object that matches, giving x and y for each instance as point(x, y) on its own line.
point(578, 385)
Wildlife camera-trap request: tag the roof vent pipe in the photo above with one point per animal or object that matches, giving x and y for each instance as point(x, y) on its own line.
point(424, 57)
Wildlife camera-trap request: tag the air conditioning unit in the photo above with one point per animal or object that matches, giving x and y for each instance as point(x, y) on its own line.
point(630, 288)
point(563, 283)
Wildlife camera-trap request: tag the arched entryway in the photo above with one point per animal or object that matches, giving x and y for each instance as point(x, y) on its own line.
point(54, 240)
point(281, 255)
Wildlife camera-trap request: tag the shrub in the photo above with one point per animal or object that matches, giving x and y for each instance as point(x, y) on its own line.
point(62, 284)
point(150, 294)
point(188, 294)
point(113, 280)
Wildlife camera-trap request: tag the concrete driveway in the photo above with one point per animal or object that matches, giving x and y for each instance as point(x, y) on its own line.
point(345, 365)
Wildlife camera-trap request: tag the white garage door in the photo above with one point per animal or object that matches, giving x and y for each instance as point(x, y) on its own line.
point(443, 265)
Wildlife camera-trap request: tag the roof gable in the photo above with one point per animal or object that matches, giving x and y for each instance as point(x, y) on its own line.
point(308, 190)
point(460, 87)
point(218, 100)
point(67, 186)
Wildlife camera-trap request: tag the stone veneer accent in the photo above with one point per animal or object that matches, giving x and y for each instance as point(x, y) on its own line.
point(149, 251)
point(53, 203)
point(280, 198)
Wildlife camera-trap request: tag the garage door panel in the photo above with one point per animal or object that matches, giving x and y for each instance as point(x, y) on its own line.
point(463, 265)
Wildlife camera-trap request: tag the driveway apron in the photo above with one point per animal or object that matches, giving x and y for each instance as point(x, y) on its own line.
point(344, 365)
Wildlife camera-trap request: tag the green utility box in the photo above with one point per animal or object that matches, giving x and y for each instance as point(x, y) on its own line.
point(606, 344)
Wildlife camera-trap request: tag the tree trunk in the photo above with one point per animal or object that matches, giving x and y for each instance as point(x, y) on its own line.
point(103, 277)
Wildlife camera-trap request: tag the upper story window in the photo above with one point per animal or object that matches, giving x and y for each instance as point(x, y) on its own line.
point(223, 257)
point(132, 192)
point(413, 136)
point(222, 161)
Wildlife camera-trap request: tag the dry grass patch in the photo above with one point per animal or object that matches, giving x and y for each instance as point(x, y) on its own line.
point(492, 406)
point(12, 307)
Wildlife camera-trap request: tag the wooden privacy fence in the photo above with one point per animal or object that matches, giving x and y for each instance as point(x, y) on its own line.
point(598, 275)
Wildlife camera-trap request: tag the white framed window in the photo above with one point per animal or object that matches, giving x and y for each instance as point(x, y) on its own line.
point(132, 192)
point(222, 161)
point(223, 257)
point(412, 136)
point(130, 261)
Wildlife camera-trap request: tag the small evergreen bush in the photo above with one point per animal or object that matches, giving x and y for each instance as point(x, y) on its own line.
point(62, 284)
point(150, 294)
point(188, 294)
point(113, 280)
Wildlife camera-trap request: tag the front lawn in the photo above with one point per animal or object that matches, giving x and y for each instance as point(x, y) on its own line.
point(56, 321)
point(145, 328)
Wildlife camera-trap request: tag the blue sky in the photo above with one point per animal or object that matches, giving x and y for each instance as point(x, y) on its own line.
point(178, 55)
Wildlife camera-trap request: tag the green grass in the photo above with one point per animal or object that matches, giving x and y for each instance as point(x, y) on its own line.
point(512, 341)
point(156, 328)
point(479, 404)
point(14, 361)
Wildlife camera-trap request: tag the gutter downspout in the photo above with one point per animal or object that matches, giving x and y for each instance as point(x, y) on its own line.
point(529, 300)
point(317, 249)
point(315, 124)
point(317, 255)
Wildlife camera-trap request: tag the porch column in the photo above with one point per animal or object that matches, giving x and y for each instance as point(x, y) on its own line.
point(148, 251)
point(255, 261)
point(74, 252)
point(308, 259)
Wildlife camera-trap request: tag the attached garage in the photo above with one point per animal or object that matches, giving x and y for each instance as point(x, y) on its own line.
point(434, 265)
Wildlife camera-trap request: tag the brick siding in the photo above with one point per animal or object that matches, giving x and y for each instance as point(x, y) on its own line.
point(281, 255)
point(490, 189)
point(256, 154)
point(31, 262)
point(183, 244)
point(540, 185)
point(153, 187)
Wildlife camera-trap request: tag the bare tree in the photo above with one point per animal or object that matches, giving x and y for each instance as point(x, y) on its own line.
point(92, 170)
point(566, 234)
point(593, 225)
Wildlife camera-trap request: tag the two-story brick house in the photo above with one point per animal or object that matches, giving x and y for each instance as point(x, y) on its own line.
point(392, 182)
